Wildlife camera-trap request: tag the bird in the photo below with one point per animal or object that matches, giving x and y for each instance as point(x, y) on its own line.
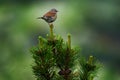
point(50, 16)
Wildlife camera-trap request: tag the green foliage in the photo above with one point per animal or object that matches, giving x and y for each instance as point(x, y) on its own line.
point(44, 67)
point(56, 60)
point(88, 68)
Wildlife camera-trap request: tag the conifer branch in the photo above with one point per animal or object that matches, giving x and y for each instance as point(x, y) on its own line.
point(51, 31)
point(54, 60)
point(69, 41)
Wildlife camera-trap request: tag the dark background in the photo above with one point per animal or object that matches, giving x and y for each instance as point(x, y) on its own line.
point(93, 24)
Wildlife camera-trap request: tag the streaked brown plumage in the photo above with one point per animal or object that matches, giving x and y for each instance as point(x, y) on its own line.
point(50, 16)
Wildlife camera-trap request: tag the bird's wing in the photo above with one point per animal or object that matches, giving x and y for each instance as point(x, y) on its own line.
point(50, 14)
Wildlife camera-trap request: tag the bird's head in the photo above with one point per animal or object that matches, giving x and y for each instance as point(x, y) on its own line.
point(54, 10)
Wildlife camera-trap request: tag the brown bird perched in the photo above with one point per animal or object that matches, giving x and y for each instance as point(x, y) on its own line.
point(50, 16)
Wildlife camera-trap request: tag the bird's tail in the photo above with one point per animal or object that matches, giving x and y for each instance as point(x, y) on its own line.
point(40, 18)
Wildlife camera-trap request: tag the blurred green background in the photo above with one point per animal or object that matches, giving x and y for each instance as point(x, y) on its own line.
point(94, 25)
